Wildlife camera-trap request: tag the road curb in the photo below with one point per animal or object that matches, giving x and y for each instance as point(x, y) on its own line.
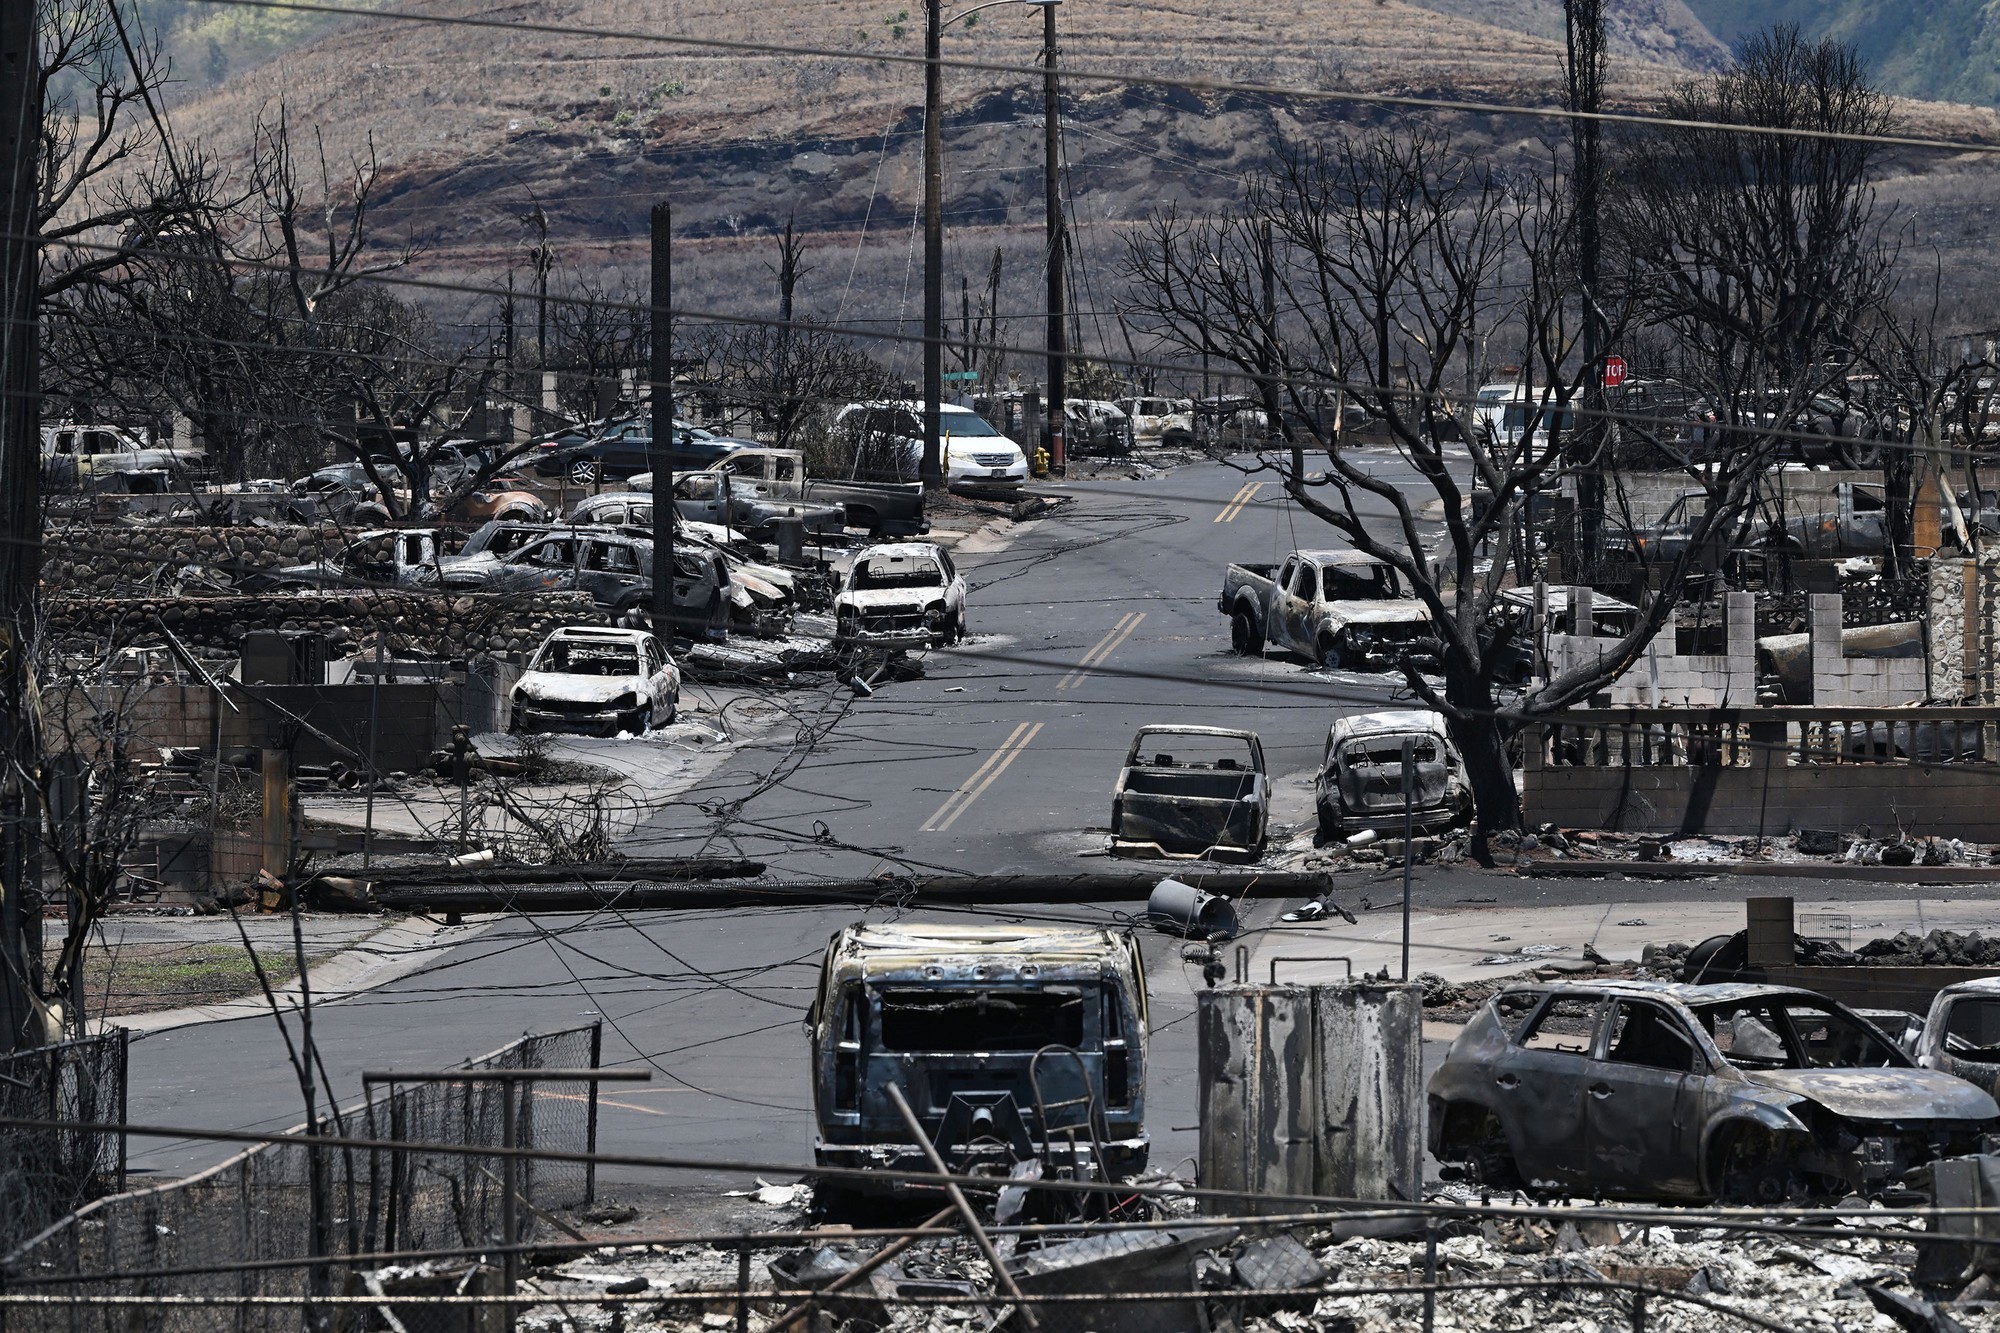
point(1762, 870)
point(385, 956)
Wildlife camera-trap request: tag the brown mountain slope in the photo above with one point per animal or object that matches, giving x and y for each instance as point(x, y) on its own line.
point(475, 124)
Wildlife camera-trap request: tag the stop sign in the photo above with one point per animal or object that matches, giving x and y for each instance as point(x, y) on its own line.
point(1614, 371)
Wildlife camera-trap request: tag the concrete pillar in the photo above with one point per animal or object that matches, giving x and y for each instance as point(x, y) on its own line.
point(549, 401)
point(1769, 932)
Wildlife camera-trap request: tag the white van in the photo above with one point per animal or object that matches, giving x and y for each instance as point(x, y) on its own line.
point(975, 453)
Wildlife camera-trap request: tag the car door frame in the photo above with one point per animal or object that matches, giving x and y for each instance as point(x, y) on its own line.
point(1547, 1096)
point(1623, 1097)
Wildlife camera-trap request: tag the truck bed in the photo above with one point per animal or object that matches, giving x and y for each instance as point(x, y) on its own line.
point(1188, 813)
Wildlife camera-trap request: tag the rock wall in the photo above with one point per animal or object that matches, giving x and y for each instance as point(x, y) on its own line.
point(94, 558)
point(1962, 667)
point(419, 624)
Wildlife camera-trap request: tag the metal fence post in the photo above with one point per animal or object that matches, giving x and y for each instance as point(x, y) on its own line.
point(124, 1072)
point(1430, 1273)
point(743, 1289)
point(1638, 1312)
point(590, 1129)
point(509, 1182)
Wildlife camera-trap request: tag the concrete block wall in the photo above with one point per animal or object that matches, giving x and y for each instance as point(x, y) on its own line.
point(1870, 682)
point(1663, 677)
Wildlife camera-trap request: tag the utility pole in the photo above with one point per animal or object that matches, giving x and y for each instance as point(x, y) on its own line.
point(660, 374)
point(20, 526)
point(1583, 66)
point(1267, 352)
point(1058, 236)
point(931, 469)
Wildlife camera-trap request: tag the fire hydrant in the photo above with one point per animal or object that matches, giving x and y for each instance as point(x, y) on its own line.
point(1041, 462)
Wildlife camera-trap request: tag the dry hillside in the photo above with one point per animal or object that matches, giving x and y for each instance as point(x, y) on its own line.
point(475, 123)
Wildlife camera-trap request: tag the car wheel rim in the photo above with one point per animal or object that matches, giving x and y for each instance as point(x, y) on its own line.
point(583, 473)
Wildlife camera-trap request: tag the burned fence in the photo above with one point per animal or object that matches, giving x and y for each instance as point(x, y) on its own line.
point(48, 1172)
point(237, 1231)
point(1762, 771)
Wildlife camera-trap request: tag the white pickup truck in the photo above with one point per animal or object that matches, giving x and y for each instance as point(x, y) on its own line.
point(1336, 608)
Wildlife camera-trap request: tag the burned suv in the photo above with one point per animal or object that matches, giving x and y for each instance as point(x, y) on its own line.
point(1010, 1043)
point(1739, 1093)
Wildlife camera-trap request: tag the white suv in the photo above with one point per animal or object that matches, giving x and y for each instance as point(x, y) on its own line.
point(597, 680)
point(975, 453)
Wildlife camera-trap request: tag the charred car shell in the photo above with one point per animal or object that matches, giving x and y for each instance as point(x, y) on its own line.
point(1961, 1034)
point(1197, 801)
point(1360, 782)
point(1741, 1093)
point(1009, 1042)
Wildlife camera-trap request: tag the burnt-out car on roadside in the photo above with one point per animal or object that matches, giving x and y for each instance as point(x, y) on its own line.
point(1961, 1034)
point(1009, 1042)
point(1739, 1093)
point(1360, 782)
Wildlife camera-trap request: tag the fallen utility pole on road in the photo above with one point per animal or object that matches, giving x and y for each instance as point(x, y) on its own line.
point(483, 893)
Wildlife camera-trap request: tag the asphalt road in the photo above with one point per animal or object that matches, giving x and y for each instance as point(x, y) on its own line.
point(1095, 620)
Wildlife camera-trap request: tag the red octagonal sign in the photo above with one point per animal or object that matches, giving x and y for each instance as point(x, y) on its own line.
point(1614, 371)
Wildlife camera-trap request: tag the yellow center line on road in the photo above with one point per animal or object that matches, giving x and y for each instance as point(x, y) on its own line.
point(606, 1101)
point(1237, 501)
point(987, 774)
point(1101, 650)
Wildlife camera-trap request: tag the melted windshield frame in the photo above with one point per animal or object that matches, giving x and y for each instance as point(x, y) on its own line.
point(1794, 1032)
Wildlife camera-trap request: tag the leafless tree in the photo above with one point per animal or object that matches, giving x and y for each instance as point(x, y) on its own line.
point(1760, 256)
point(1387, 252)
point(793, 377)
point(596, 333)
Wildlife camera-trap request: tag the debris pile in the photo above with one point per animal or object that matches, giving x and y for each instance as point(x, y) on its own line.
point(1579, 1268)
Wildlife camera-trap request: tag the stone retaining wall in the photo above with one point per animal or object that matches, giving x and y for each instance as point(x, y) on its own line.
point(92, 558)
point(418, 624)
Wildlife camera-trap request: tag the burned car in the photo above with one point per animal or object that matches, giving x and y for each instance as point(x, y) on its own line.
point(1360, 782)
point(900, 595)
point(1205, 798)
point(1961, 1034)
point(1010, 1043)
point(1739, 1093)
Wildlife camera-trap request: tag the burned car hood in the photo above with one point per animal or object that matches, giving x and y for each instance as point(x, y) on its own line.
point(1400, 612)
point(1882, 1094)
point(579, 689)
point(871, 597)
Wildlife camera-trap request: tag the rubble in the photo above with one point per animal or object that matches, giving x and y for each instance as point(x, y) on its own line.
point(1573, 1269)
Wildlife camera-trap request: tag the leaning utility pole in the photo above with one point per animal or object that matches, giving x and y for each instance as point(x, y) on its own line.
point(931, 469)
point(1058, 238)
point(1583, 65)
point(20, 525)
point(660, 376)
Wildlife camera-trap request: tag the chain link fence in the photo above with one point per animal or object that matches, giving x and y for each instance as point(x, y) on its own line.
point(236, 1230)
point(46, 1173)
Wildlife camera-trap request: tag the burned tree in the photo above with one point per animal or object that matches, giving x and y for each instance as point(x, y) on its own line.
point(1759, 256)
point(1387, 252)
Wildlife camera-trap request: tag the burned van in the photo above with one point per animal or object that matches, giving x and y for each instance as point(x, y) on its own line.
point(1009, 1042)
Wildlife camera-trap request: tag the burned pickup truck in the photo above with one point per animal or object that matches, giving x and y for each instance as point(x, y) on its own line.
point(1011, 1044)
point(1191, 793)
point(1334, 608)
point(1749, 1094)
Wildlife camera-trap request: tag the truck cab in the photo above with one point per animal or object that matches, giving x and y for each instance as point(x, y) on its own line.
point(1008, 1042)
